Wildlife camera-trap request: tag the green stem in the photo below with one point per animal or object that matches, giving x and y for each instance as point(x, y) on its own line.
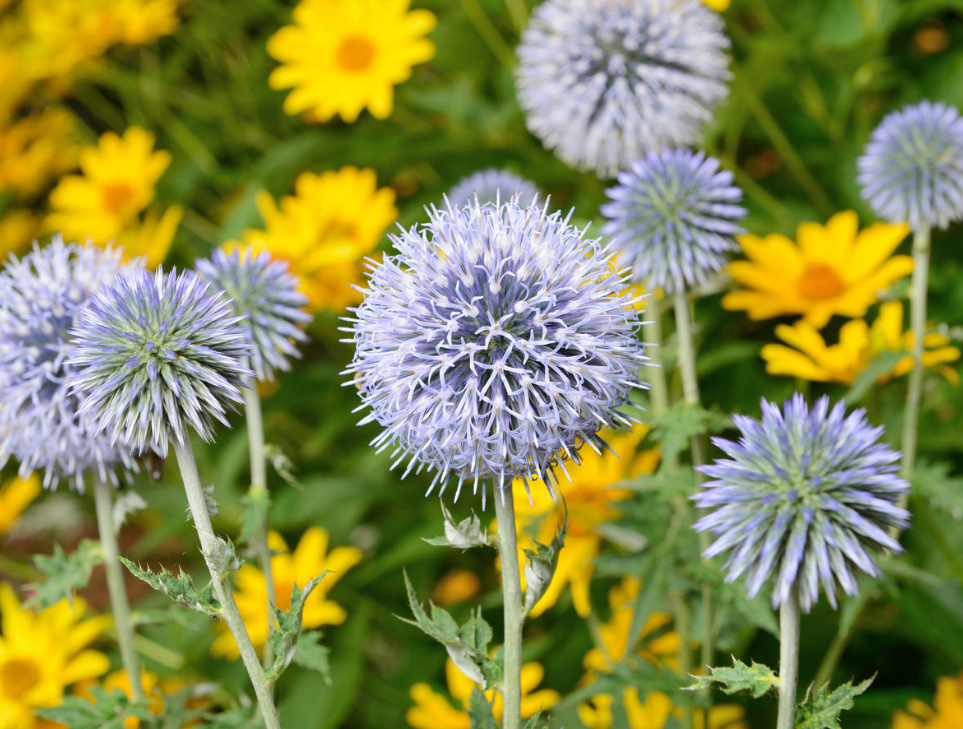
point(914, 393)
point(514, 617)
point(124, 627)
point(489, 33)
point(519, 12)
point(221, 583)
point(255, 438)
point(682, 618)
point(835, 651)
point(788, 660)
point(690, 391)
point(653, 337)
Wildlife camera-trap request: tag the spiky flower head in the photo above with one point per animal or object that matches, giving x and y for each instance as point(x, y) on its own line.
point(805, 498)
point(912, 169)
point(265, 295)
point(674, 215)
point(492, 186)
point(156, 354)
point(496, 343)
point(604, 81)
point(41, 426)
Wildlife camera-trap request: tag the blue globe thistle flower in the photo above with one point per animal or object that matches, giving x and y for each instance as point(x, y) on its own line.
point(604, 81)
point(493, 186)
point(673, 215)
point(912, 169)
point(496, 343)
point(805, 498)
point(41, 426)
point(155, 354)
point(266, 297)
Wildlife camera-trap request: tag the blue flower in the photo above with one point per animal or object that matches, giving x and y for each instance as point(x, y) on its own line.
point(41, 295)
point(495, 344)
point(604, 81)
point(266, 297)
point(806, 498)
point(491, 185)
point(674, 217)
point(912, 170)
point(156, 354)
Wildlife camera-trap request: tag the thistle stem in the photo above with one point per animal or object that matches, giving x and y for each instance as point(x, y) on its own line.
point(914, 393)
point(514, 617)
point(221, 583)
point(104, 503)
point(255, 438)
point(660, 388)
point(788, 660)
point(690, 391)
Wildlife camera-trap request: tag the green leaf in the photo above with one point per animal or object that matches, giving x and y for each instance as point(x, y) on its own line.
point(256, 503)
point(540, 566)
point(757, 679)
point(65, 573)
point(440, 626)
point(674, 428)
point(933, 482)
point(108, 711)
point(312, 655)
point(280, 462)
point(235, 719)
point(465, 534)
point(480, 711)
point(822, 709)
point(179, 588)
point(284, 635)
point(533, 722)
point(879, 366)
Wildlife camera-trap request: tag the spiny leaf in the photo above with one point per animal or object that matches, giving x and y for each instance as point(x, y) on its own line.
point(533, 722)
point(540, 566)
point(480, 711)
point(65, 573)
point(757, 679)
point(440, 626)
point(465, 534)
point(284, 635)
point(312, 655)
point(179, 588)
point(933, 482)
point(256, 503)
point(108, 710)
point(682, 421)
point(822, 709)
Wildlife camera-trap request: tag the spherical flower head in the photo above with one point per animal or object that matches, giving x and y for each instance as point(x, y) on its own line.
point(41, 425)
point(604, 81)
point(492, 186)
point(805, 497)
point(674, 216)
point(265, 296)
point(156, 354)
point(495, 344)
point(912, 169)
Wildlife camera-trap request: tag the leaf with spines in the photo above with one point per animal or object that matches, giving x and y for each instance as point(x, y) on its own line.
point(65, 573)
point(284, 635)
point(674, 429)
point(107, 711)
point(540, 566)
point(821, 710)
point(256, 503)
point(757, 679)
point(480, 711)
point(179, 588)
point(312, 655)
point(465, 534)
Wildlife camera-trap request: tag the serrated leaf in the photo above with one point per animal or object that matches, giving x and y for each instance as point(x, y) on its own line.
point(285, 634)
point(933, 482)
point(65, 573)
point(235, 719)
point(280, 462)
point(757, 679)
point(440, 626)
point(312, 655)
point(533, 722)
point(127, 503)
point(822, 709)
point(480, 711)
point(540, 565)
point(179, 588)
point(879, 366)
point(465, 534)
point(107, 711)
point(256, 503)
point(674, 428)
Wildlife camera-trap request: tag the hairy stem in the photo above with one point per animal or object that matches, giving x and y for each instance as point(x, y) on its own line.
point(514, 617)
point(104, 502)
point(255, 439)
point(788, 660)
point(221, 583)
point(914, 393)
point(653, 337)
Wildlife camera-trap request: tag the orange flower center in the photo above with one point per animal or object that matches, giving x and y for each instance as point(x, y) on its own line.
point(17, 676)
point(355, 54)
point(116, 196)
point(820, 282)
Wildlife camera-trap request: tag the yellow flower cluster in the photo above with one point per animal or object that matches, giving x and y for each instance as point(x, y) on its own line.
point(35, 150)
point(834, 269)
point(946, 712)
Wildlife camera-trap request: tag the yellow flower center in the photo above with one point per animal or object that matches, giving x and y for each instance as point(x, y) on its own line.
point(355, 54)
point(17, 676)
point(820, 282)
point(116, 196)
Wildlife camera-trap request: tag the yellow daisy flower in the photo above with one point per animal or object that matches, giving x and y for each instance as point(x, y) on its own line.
point(309, 559)
point(36, 149)
point(433, 711)
point(946, 712)
point(117, 183)
point(810, 358)
point(151, 239)
point(591, 502)
point(43, 653)
point(456, 587)
point(325, 230)
point(342, 56)
point(835, 269)
point(18, 228)
point(16, 495)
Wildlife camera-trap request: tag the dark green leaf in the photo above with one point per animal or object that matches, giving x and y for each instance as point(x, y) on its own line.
point(256, 503)
point(933, 482)
point(822, 709)
point(757, 679)
point(179, 588)
point(107, 711)
point(480, 711)
point(65, 573)
point(312, 655)
point(284, 635)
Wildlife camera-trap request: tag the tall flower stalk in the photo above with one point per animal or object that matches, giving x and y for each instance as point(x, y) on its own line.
point(513, 606)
